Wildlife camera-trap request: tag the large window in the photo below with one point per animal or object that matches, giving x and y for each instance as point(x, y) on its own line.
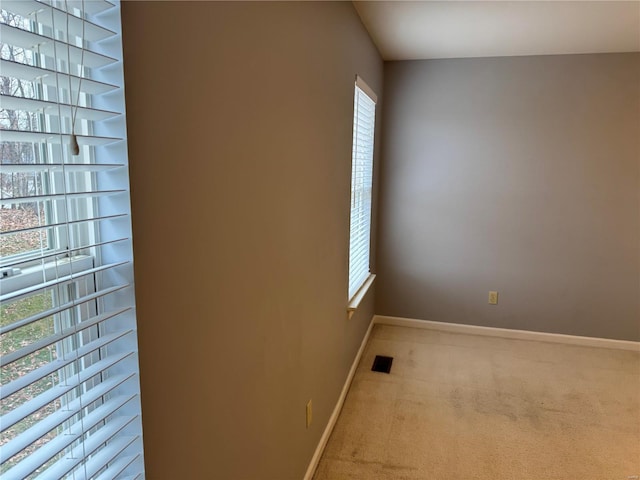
point(69, 394)
point(364, 116)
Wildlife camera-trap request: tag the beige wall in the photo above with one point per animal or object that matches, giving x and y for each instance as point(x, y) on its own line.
point(513, 174)
point(239, 126)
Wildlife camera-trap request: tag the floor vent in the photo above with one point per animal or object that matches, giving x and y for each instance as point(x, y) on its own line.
point(382, 364)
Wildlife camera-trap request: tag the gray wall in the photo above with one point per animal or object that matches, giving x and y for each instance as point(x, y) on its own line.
point(239, 125)
point(513, 174)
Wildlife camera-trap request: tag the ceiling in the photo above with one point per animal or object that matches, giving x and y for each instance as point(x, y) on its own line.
point(457, 29)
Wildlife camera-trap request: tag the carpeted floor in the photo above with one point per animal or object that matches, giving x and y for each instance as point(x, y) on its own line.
point(461, 406)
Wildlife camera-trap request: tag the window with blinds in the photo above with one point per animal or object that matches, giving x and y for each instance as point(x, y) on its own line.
point(364, 116)
point(69, 392)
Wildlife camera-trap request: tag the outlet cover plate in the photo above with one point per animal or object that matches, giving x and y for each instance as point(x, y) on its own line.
point(493, 298)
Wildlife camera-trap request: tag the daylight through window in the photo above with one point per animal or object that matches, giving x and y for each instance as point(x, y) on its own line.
point(364, 113)
point(69, 391)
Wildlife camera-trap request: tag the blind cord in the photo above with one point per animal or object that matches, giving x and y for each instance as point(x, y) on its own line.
point(70, 291)
point(75, 148)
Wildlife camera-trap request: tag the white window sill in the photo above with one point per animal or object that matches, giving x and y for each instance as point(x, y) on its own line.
point(355, 301)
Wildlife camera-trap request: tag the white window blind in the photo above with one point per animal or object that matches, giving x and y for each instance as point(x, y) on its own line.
point(364, 113)
point(69, 392)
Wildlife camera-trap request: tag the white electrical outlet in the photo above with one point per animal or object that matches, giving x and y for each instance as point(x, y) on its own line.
point(493, 298)
point(309, 413)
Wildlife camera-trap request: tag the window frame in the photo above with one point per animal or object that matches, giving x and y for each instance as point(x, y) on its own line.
point(364, 282)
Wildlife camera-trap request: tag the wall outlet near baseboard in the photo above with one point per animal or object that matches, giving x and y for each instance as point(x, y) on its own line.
point(309, 413)
point(493, 298)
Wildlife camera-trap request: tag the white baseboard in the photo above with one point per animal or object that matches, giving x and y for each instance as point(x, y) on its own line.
point(508, 333)
point(311, 469)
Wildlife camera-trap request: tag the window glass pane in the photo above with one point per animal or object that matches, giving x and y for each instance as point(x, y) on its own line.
point(14, 340)
point(22, 217)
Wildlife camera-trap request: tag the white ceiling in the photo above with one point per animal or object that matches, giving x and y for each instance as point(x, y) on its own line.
point(454, 29)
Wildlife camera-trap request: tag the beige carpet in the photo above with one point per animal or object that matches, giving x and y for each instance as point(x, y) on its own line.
point(475, 407)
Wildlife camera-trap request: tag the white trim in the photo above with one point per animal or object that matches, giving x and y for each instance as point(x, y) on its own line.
point(311, 470)
point(354, 303)
point(362, 85)
point(509, 333)
point(45, 272)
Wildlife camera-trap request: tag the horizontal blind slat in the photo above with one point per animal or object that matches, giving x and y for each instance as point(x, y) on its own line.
point(361, 261)
point(117, 467)
point(56, 337)
point(27, 7)
point(60, 416)
point(24, 136)
point(30, 465)
point(102, 458)
point(360, 250)
point(41, 44)
point(30, 73)
point(54, 109)
point(78, 454)
point(63, 224)
point(58, 196)
point(60, 281)
point(359, 264)
point(60, 308)
point(46, 255)
point(86, 349)
point(90, 7)
point(42, 13)
point(35, 404)
point(57, 167)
